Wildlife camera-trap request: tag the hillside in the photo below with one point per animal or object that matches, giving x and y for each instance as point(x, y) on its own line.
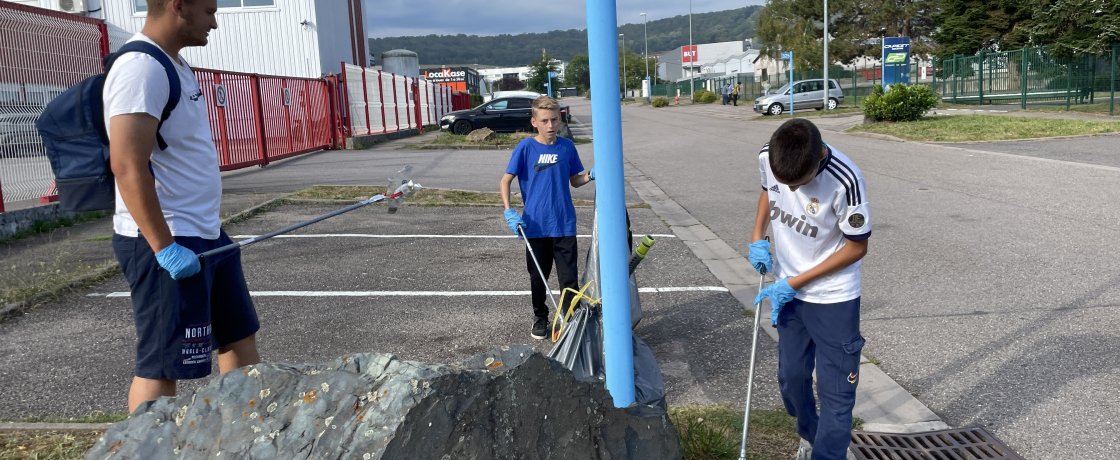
point(517, 50)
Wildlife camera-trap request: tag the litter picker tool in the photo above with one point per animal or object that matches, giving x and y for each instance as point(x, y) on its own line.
point(544, 280)
point(400, 187)
point(750, 373)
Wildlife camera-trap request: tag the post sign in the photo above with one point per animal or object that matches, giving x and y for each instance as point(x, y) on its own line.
point(896, 61)
point(688, 53)
point(221, 98)
point(787, 55)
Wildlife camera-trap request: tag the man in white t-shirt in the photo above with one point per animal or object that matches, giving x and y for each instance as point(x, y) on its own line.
point(814, 199)
point(167, 211)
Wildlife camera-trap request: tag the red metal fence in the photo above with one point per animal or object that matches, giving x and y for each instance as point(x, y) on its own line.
point(255, 119)
point(42, 53)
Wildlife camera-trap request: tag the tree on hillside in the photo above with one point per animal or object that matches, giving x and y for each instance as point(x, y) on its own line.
point(538, 74)
point(853, 28)
point(578, 73)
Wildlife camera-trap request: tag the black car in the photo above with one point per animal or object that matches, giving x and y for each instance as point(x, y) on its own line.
point(505, 114)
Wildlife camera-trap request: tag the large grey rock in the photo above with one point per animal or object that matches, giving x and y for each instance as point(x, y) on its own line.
point(511, 403)
point(480, 135)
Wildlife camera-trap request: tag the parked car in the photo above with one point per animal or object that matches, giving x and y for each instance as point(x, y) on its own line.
point(807, 94)
point(18, 136)
point(507, 114)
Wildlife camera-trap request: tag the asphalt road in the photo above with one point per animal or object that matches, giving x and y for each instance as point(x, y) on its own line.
point(990, 289)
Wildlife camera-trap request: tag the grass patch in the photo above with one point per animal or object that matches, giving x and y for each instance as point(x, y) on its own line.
point(33, 282)
point(93, 239)
point(46, 226)
point(46, 445)
point(95, 417)
point(499, 140)
point(715, 432)
point(974, 128)
point(1097, 108)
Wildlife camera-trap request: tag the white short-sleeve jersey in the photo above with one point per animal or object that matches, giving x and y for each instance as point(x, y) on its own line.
point(811, 223)
point(188, 182)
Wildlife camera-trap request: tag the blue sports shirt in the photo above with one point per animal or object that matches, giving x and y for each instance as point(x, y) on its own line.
point(543, 173)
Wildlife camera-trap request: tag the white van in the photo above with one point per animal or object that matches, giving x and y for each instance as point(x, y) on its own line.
point(501, 94)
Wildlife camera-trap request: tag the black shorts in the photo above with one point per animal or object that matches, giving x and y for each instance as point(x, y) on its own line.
point(178, 323)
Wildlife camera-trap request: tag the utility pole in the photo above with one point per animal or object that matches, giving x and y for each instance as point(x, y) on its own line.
point(826, 88)
point(645, 52)
point(623, 37)
point(692, 56)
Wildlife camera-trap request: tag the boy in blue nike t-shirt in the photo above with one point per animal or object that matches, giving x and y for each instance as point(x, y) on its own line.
point(544, 166)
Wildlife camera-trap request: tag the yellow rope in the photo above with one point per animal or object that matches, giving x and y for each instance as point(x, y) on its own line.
point(560, 320)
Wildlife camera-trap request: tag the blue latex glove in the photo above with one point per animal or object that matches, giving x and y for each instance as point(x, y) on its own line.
point(759, 256)
point(591, 173)
point(513, 219)
point(179, 261)
point(779, 293)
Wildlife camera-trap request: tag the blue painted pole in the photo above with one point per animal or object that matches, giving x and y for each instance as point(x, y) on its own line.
point(610, 202)
point(791, 83)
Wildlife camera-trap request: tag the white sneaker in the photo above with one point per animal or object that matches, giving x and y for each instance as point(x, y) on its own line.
point(804, 451)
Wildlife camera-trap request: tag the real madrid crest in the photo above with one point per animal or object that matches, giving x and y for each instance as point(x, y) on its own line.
point(813, 207)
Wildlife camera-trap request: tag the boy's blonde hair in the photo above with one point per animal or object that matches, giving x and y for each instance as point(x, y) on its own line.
point(544, 103)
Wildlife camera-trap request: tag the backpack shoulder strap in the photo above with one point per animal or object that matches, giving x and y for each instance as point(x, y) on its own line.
point(175, 88)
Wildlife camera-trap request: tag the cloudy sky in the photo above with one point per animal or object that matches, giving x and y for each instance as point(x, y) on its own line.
point(391, 18)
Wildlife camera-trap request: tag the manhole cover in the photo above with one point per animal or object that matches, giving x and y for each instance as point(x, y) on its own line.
point(957, 444)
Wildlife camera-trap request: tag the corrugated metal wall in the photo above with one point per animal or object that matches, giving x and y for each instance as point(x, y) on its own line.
point(247, 38)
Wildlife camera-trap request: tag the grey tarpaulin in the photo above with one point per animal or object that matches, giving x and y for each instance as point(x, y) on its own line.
point(580, 346)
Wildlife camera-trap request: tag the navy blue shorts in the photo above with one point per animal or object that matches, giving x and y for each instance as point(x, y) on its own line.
point(178, 323)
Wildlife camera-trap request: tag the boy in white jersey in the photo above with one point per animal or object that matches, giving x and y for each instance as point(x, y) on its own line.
point(816, 199)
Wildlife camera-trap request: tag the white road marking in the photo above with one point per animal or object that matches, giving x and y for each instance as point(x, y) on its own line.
point(648, 290)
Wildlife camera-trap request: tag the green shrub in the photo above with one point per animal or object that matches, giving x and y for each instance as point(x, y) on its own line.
point(660, 101)
point(900, 103)
point(704, 96)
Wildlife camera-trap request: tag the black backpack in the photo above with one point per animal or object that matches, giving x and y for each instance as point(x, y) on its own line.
point(72, 126)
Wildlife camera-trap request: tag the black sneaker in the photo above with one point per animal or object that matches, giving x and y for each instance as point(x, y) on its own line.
point(540, 329)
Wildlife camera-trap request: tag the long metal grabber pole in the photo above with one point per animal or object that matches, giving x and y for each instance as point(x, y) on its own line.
point(211, 253)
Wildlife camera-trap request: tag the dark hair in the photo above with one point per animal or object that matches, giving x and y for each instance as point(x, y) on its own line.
point(156, 7)
point(795, 150)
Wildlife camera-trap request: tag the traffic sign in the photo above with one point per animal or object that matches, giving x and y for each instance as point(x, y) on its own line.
point(787, 55)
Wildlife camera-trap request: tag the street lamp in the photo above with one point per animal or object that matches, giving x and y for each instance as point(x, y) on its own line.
point(623, 36)
point(645, 51)
point(825, 82)
point(692, 56)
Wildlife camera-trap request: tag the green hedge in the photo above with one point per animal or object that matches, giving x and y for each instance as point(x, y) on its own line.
point(704, 96)
point(900, 103)
point(660, 101)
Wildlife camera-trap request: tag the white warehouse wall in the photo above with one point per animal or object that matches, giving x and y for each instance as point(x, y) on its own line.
point(265, 40)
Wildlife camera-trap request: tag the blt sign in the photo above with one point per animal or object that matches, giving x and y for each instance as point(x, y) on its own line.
point(688, 53)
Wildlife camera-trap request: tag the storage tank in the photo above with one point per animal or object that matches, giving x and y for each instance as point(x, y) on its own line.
point(401, 62)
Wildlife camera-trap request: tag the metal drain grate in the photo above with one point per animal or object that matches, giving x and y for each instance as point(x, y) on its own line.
point(956, 444)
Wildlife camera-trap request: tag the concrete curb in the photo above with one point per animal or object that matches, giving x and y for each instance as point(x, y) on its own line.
point(881, 403)
point(70, 427)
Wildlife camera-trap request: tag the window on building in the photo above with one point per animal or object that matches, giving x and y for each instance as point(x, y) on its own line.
point(141, 6)
point(243, 3)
